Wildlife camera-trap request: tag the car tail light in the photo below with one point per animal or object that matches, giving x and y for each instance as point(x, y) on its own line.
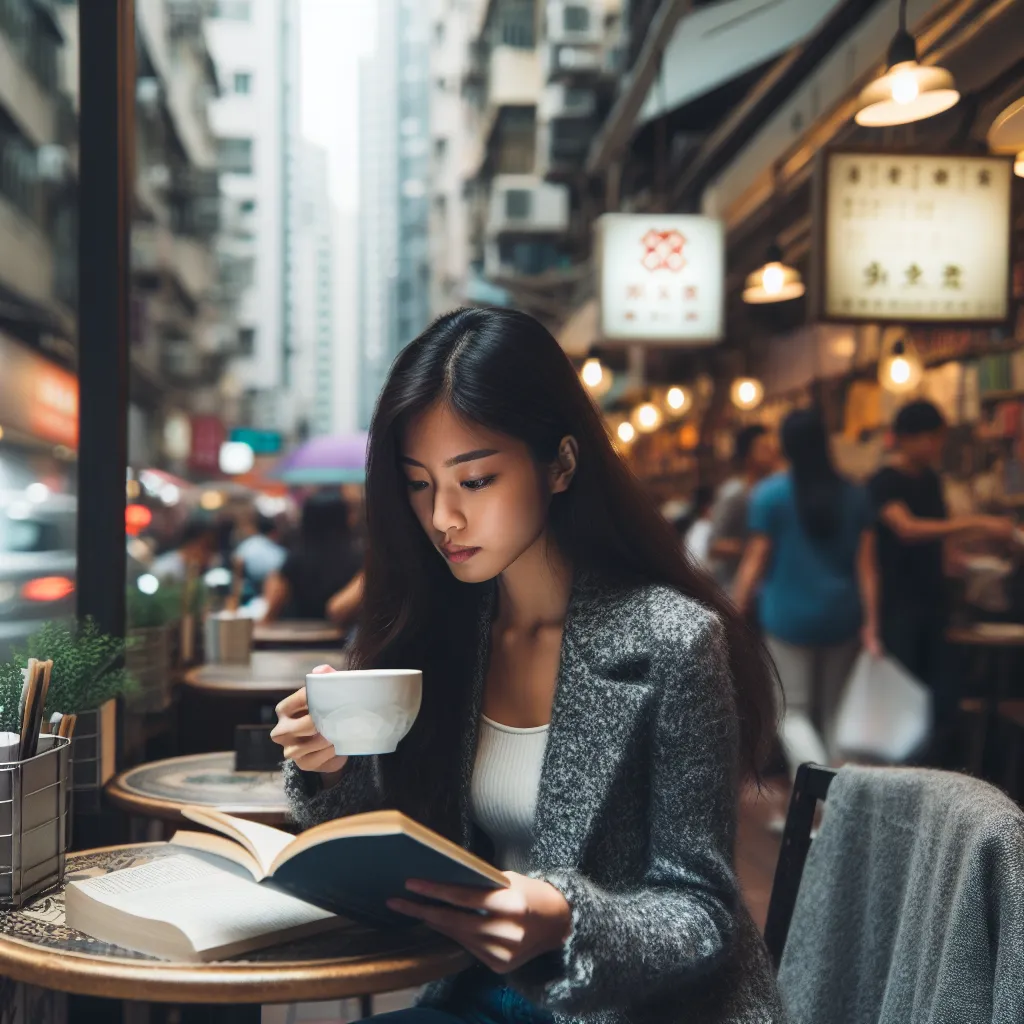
point(48, 588)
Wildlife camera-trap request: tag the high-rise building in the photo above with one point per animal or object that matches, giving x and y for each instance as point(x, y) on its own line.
point(393, 235)
point(315, 372)
point(255, 119)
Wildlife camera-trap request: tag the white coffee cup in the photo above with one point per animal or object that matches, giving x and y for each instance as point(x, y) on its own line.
point(365, 711)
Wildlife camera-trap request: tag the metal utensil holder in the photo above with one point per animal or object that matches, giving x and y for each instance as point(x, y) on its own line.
point(33, 821)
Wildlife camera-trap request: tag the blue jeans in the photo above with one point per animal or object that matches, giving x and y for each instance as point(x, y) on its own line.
point(480, 997)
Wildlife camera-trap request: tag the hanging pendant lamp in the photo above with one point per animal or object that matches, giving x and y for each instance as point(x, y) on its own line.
point(900, 369)
point(774, 282)
point(1006, 136)
point(908, 91)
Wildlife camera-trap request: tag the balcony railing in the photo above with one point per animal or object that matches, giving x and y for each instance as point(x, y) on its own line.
point(33, 37)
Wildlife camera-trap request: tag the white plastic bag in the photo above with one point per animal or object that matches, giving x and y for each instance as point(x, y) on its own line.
point(885, 712)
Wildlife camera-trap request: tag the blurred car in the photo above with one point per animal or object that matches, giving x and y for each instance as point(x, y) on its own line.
point(37, 563)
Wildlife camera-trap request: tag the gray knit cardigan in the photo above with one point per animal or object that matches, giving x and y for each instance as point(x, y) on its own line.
point(635, 819)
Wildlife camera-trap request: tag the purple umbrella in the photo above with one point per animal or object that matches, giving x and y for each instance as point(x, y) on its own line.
point(337, 459)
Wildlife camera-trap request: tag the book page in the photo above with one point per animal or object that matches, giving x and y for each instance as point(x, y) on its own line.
point(219, 846)
point(213, 908)
point(262, 841)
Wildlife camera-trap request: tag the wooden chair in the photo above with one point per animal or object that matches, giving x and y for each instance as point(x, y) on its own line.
point(811, 785)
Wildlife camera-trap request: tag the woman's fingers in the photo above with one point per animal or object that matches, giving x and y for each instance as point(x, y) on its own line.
point(316, 761)
point(294, 704)
point(304, 748)
point(321, 670)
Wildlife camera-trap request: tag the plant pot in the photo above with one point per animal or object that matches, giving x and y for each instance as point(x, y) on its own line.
point(93, 755)
point(148, 659)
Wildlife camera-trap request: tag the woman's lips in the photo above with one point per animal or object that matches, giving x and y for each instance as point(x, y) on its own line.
point(455, 553)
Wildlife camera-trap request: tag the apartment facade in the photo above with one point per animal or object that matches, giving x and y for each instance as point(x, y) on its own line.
point(255, 120)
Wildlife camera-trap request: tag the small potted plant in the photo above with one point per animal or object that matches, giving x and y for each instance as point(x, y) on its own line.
point(88, 674)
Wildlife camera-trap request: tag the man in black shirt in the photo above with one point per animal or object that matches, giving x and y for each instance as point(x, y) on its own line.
point(913, 523)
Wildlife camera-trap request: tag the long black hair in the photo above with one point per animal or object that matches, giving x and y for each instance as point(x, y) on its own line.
point(501, 369)
point(818, 486)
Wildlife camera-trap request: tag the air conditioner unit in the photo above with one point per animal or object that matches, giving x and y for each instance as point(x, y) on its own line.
point(561, 101)
point(574, 59)
point(522, 204)
point(575, 21)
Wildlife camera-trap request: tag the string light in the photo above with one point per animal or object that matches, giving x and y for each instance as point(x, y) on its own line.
point(596, 378)
point(678, 400)
point(746, 393)
point(625, 432)
point(646, 417)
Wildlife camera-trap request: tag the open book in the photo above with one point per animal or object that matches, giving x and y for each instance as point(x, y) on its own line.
point(254, 886)
point(349, 866)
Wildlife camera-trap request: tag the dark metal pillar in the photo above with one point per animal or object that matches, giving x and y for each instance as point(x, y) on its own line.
point(106, 147)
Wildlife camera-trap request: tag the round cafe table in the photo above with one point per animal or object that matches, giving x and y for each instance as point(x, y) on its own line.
point(38, 949)
point(1000, 644)
point(270, 674)
point(297, 633)
point(161, 788)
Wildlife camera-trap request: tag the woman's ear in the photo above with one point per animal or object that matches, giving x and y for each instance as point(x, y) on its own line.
point(563, 469)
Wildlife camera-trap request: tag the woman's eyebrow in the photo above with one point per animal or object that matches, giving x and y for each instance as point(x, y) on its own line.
point(458, 460)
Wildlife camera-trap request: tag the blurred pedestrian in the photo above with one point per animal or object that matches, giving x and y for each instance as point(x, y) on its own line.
point(324, 563)
point(913, 523)
point(258, 553)
point(697, 539)
point(195, 552)
point(755, 455)
point(810, 563)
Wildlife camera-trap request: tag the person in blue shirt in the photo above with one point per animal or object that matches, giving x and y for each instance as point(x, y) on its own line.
point(810, 562)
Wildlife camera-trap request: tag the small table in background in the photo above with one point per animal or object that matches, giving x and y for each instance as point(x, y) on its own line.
point(160, 789)
point(36, 948)
point(1002, 642)
point(270, 674)
point(297, 633)
point(216, 698)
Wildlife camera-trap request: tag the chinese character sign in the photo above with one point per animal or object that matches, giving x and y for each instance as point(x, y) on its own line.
point(917, 238)
point(661, 278)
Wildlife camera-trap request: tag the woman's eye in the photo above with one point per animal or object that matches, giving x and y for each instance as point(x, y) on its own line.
point(477, 485)
point(417, 485)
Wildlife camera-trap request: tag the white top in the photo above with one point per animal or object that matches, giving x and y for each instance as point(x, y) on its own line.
point(503, 792)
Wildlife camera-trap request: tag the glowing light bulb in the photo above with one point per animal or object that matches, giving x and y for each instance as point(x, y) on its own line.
point(899, 370)
point(904, 87)
point(676, 399)
point(592, 373)
point(648, 416)
point(772, 278)
point(747, 392)
point(626, 433)
point(1018, 169)
point(148, 583)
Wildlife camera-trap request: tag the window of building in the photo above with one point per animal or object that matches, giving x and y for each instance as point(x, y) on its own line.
point(234, 10)
point(247, 206)
point(576, 18)
point(518, 203)
point(516, 27)
point(234, 156)
point(243, 82)
point(246, 340)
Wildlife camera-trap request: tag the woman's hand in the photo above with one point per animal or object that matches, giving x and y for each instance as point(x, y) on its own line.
point(528, 918)
point(870, 642)
point(302, 744)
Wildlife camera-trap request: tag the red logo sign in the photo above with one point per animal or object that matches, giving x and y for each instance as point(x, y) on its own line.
point(663, 250)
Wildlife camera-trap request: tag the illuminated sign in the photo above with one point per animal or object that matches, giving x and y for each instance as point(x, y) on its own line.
point(662, 278)
point(916, 238)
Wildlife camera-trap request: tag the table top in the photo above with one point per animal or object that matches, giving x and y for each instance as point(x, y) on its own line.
point(37, 948)
point(161, 788)
point(270, 673)
point(988, 634)
point(296, 633)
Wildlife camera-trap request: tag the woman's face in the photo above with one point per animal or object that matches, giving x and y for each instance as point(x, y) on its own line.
point(479, 496)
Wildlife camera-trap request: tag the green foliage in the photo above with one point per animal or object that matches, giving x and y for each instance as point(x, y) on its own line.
point(88, 670)
point(146, 611)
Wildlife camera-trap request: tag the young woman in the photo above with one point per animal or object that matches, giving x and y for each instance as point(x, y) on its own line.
point(590, 702)
point(811, 556)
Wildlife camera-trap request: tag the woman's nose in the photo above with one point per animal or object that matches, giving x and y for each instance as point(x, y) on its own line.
point(447, 513)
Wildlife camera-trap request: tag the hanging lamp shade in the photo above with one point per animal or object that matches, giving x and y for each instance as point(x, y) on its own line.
point(773, 282)
point(908, 91)
point(1006, 136)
